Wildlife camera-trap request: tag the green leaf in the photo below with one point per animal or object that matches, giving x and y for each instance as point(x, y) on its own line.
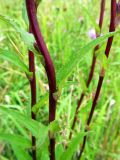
point(59, 150)
point(37, 129)
point(3, 158)
point(15, 140)
point(28, 38)
point(33, 126)
point(15, 59)
point(42, 101)
point(67, 155)
point(83, 84)
point(103, 60)
point(20, 153)
point(20, 128)
point(43, 154)
point(43, 142)
point(24, 14)
point(43, 145)
point(54, 127)
point(75, 59)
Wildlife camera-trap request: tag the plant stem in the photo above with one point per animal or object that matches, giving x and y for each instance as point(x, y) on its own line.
point(33, 90)
point(33, 97)
point(102, 74)
point(91, 70)
point(49, 67)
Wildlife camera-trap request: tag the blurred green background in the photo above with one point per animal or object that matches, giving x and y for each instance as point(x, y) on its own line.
point(65, 26)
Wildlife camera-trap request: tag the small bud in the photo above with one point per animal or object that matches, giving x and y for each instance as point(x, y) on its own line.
point(102, 74)
point(29, 75)
point(87, 128)
point(56, 95)
point(92, 34)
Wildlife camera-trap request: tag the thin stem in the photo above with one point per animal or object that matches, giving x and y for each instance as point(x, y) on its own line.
point(49, 67)
point(33, 90)
point(101, 77)
point(33, 97)
point(91, 70)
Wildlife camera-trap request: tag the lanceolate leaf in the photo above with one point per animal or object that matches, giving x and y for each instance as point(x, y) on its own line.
point(54, 127)
point(14, 58)
point(20, 128)
point(37, 129)
point(75, 59)
point(83, 84)
point(40, 103)
point(103, 60)
point(27, 37)
point(20, 153)
point(33, 126)
point(67, 155)
point(15, 139)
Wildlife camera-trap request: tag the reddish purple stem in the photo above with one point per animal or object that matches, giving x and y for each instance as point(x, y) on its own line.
point(92, 68)
point(49, 67)
point(33, 92)
point(33, 97)
point(101, 77)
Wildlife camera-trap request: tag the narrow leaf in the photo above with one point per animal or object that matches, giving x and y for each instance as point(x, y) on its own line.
point(15, 139)
point(20, 153)
point(67, 155)
point(33, 126)
point(14, 58)
point(75, 59)
point(40, 103)
point(28, 38)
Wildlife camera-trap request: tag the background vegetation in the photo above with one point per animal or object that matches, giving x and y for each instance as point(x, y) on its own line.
point(65, 26)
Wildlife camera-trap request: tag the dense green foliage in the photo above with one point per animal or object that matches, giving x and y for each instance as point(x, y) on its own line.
point(65, 26)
